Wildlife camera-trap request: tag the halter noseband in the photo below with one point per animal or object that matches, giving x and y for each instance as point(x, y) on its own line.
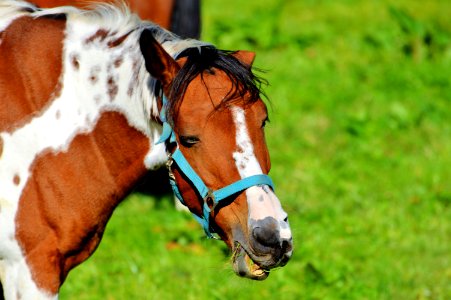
point(210, 198)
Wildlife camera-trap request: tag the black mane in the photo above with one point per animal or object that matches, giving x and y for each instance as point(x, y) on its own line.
point(207, 59)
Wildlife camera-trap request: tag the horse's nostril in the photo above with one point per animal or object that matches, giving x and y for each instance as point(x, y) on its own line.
point(266, 237)
point(286, 246)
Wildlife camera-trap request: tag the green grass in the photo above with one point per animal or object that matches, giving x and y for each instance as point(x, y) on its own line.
point(360, 139)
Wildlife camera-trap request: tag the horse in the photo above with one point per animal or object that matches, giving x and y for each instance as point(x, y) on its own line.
point(182, 17)
point(92, 100)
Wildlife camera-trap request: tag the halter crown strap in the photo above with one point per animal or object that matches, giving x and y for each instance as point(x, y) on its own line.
point(211, 198)
point(168, 133)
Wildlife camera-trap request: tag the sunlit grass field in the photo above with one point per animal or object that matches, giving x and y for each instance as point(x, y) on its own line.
point(360, 141)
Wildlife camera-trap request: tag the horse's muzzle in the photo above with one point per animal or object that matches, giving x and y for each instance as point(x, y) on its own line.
point(271, 238)
point(265, 249)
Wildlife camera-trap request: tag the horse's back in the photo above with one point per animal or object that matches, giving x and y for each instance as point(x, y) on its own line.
point(179, 16)
point(159, 11)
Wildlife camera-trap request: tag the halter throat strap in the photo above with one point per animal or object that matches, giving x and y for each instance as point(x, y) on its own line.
point(210, 198)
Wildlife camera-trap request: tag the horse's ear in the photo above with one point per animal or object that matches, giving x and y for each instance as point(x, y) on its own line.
point(158, 62)
point(244, 56)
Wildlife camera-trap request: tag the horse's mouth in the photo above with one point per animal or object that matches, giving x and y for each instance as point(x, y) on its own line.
point(244, 266)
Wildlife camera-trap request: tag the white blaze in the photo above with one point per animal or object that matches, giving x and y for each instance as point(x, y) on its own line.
point(261, 200)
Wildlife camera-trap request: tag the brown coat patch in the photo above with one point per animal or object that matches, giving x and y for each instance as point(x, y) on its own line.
point(70, 196)
point(118, 41)
point(118, 62)
point(75, 61)
point(112, 87)
point(94, 74)
point(99, 36)
point(16, 179)
point(30, 67)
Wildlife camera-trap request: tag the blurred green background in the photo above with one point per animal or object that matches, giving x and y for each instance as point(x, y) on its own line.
point(360, 140)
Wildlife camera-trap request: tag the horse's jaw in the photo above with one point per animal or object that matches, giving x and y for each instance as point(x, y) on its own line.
point(244, 266)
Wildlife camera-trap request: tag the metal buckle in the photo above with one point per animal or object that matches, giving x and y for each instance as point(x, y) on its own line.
point(169, 163)
point(210, 200)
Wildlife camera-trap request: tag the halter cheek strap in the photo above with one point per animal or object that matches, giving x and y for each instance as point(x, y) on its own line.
point(210, 198)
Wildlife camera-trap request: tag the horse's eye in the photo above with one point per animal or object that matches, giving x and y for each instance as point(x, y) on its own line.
point(188, 141)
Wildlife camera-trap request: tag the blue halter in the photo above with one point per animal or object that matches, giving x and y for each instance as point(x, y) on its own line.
point(210, 198)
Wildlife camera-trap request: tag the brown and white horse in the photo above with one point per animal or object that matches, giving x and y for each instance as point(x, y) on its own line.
point(79, 118)
point(179, 16)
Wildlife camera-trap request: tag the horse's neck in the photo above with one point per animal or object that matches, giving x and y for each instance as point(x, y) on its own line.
point(86, 148)
point(103, 74)
point(103, 129)
point(105, 71)
point(68, 159)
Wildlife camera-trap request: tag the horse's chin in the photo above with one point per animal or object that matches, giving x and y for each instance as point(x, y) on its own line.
point(244, 266)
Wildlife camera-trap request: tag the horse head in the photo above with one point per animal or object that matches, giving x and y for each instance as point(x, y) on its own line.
point(213, 127)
